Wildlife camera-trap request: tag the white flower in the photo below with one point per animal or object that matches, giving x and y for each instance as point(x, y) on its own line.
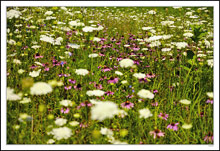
point(153, 38)
point(189, 13)
point(209, 94)
point(187, 126)
point(50, 141)
point(48, 13)
point(144, 49)
point(93, 55)
point(99, 28)
point(175, 84)
point(185, 101)
point(207, 43)
point(95, 93)
point(11, 42)
point(74, 123)
point(180, 44)
point(88, 29)
point(63, 8)
point(124, 63)
point(155, 44)
point(151, 12)
point(61, 133)
point(201, 55)
point(165, 49)
point(145, 113)
point(121, 113)
point(76, 23)
point(82, 72)
point(106, 131)
point(124, 81)
point(25, 100)
point(118, 73)
point(58, 41)
point(13, 13)
point(210, 62)
point(66, 103)
point(147, 28)
point(47, 39)
point(139, 75)
point(187, 35)
point(96, 39)
point(167, 37)
point(167, 23)
point(40, 88)
point(11, 96)
point(35, 46)
point(94, 101)
point(16, 61)
point(104, 110)
point(126, 45)
point(145, 94)
point(60, 121)
point(75, 46)
point(38, 63)
point(35, 73)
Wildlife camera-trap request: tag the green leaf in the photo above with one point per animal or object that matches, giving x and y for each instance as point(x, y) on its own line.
point(184, 67)
point(190, 54)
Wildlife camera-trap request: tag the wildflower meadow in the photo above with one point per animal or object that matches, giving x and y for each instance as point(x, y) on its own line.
point(110, 75)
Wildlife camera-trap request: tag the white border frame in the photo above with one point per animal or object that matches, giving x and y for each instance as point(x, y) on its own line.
point(215, 4)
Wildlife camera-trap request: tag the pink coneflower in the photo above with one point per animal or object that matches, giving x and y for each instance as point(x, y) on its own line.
point(209, 138)
point(113, 80)
point(68, 87)
point(163, 116)
point(209, 101)
point(155, 91)
point(98, 86)
point(143, 80)
point(83, 125)
point(66, 75)
point(46, 69)
point(112, 39)
point(37, 55)
point(72, 81)
point(105, 69)
point(118, 43)
point(55, 62)
point(136, 62)
point(154, 103)
point(130, 96)
point(201, 114)
point(150, 75)
point(109, 93)
point(33, 67)
point(157, 133)
point(84, 104)
point(100, 54)
point(173, 126)
point(78, 87)
point(127, 104)
point(101, 79)
point(135, 48)
point(118, 59)
point(64, 110)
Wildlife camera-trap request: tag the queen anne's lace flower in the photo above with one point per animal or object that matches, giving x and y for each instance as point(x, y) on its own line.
point(41, 88)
